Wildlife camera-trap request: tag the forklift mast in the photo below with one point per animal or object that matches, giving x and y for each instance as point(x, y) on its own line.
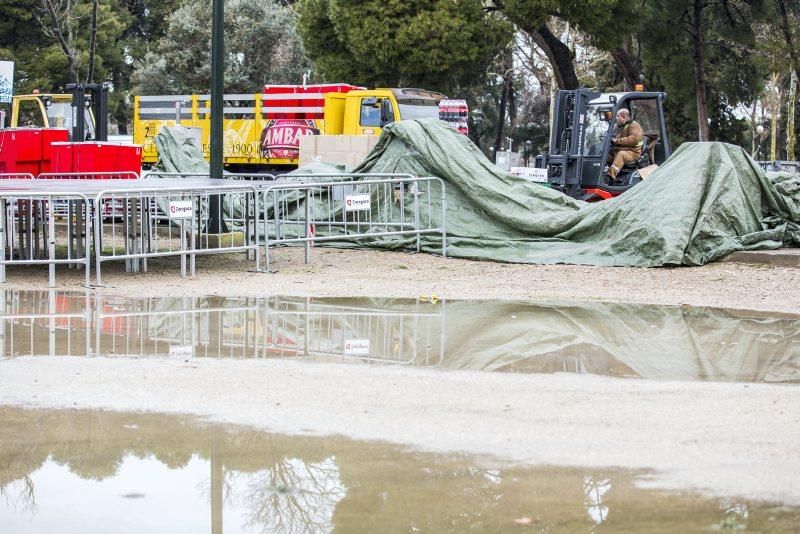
point(95, 96)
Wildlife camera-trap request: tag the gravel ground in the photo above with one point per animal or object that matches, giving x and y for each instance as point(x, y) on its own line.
point(338, 272)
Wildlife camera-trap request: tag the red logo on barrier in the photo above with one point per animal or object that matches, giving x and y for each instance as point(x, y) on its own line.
point(281, 137)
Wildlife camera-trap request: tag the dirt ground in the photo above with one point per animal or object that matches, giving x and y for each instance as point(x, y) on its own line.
point(340, 272)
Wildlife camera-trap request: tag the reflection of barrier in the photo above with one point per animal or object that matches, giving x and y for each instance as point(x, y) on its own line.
point(353, 210)
point(52, 323)
point(28, 231)
point(305, 327)
point(16, 176)
point(176, 221)
point(44, 322)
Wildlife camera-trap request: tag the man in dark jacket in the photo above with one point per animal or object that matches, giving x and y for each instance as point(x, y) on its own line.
point(626, 143)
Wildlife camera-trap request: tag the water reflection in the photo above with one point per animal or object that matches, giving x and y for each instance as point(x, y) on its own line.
point(654, 342)
point(81, 471)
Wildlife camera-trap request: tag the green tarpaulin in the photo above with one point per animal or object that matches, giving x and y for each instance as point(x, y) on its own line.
point(707, 200)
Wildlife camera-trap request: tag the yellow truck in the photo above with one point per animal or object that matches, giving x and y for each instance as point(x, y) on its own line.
point(262, 131)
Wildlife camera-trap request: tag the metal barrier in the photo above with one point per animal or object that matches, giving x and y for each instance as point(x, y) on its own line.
point(28, 234)
point(351, 210)
point(231, 176)
point(16, 176)
point(177, 221)
point(124, 175)
point(780, 165)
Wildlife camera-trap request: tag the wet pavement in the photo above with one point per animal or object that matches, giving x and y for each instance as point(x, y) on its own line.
point(97, 471)
point(613, 339)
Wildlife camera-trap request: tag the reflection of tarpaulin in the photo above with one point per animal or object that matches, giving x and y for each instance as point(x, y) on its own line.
point(280, 138)
point(654, 342)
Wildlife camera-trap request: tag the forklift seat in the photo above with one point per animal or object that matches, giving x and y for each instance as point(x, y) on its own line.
point(648, 153)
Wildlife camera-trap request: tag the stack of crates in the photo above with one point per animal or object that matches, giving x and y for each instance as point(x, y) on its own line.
point(93, 157)
point(29, 150)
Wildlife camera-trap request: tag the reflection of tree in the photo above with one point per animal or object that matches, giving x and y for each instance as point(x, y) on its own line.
point(594, 491)
point(26, 496)
point(294, 496)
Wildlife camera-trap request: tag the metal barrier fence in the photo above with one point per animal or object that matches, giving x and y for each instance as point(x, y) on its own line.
point(28, 233)
point(184, 175)
point(352, 210)
point(16, 176)
point(123, 175)
point(176, 221)
point(780, 165)
point(136, 220)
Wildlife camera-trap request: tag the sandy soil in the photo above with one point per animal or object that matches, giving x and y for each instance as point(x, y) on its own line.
point(733, 440)
point(334, 272)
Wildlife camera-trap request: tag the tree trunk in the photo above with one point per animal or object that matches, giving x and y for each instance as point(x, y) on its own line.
point(559, 55)
point(698, 56)
point(92, 43)
point(791, 138)
point(794, 56)
point(630, 68)
point(501, 114)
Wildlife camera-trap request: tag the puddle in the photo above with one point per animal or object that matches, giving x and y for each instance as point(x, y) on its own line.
point(623, 340)
point(82, 471)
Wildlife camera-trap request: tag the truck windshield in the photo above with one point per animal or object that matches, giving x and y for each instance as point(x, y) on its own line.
point(596, 128)
point(59, 115)
point(416, 111)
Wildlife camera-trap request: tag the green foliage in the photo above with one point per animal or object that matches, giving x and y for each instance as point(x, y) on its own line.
point(261, 46)
point(732, 70)
point(442, 45)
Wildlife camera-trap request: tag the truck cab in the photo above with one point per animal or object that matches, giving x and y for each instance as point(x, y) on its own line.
point(49, 110)
point(580, 141)
point(366, 112)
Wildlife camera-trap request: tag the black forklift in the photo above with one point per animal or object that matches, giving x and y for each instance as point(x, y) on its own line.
point(580, 141)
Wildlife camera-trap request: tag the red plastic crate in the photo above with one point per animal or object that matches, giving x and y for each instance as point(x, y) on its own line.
point(106, 157)
point(29, 144)
point(50, 136)
point(300, 108)
point(61, 154)
point(8, 151)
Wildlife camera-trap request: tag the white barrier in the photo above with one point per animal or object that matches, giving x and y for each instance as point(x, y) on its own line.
point(348, 211)
point(176, 220)
point(28, 234)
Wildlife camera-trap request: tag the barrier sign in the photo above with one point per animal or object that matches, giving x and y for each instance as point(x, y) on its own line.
point(181, 351)
point(6, 81)
point(180, 209)
point(356, 203)
point(529, 173)
point(356, 347)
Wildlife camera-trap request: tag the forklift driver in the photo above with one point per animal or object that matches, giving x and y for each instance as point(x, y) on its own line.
point(626, 144)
